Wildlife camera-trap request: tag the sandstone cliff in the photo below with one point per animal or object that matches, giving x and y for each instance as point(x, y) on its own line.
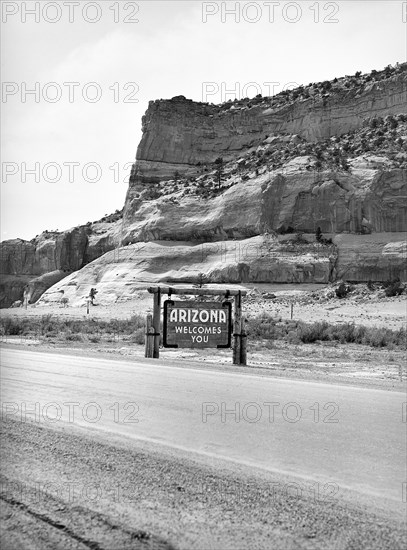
point(180, 134)
point(362, 200)
point(330, 155)
point(38, 264)
point(120, 274)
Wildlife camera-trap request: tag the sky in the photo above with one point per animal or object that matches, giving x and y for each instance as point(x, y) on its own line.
point(92, 67)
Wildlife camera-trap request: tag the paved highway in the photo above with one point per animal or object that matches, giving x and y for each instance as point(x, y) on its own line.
point(343, 435)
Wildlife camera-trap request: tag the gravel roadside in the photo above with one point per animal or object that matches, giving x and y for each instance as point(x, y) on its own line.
point(349, 364)
point(61, 489)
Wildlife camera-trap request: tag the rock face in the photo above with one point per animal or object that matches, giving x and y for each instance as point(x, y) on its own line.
point(363, 200)
point(376, 257)
point(48, 252)
point(309, 158)
point(179, 134)
point(120, 274)
point(37, 286)
point(184, 137)
point(12, 288)
point(38, 264)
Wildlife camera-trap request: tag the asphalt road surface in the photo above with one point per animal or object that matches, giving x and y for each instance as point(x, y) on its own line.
point(337, 438)
point(351, 436)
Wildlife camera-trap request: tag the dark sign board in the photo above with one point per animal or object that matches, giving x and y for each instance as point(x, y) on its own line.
point(197, 324)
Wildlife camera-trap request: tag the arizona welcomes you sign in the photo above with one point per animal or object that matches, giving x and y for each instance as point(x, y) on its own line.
point(197, 324)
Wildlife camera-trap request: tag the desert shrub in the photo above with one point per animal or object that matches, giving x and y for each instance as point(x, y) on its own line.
point(72, 325)
point(265, 327)
point(370, 285)
point(359, 333)
point(283, 231)
point(343, 333)
point(320, 238)
point(350, 333)
point(150, 193)
point(138, 337)
point(14, 326)
point(394, 288)
point(375, 122)
point(128, 326)
point(73, 337)
point(309, 333)
point(11, 326)
point(298, 238)
point(384, 337)
point(47, 324)
point(343, 290)
point(260, 327)
point(112, 326)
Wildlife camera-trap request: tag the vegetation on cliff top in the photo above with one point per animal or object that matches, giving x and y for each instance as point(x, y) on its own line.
point(338, 88)
point(383, 138)
point(348, 86)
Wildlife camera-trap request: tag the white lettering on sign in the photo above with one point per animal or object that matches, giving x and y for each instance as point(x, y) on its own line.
point(179, 315)
point(200, 339)
point(197, 330)
point(198, 325)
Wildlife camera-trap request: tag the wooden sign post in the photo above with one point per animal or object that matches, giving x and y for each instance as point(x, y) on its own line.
point(196, 324)
point(243, 343)
point(149, 336)
point(237, 329)
point(156, 323)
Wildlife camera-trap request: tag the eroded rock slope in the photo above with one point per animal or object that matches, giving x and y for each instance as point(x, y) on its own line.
point(328, 156)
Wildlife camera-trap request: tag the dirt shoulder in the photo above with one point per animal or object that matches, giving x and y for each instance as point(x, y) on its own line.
point(327, 362)
point(61, 489)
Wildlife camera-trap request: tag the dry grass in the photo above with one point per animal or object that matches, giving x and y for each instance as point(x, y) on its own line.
point(265, 327)
point(262, 330)
point(75, 330)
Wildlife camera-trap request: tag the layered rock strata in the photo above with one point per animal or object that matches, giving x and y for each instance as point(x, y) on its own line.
point(361, 203)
